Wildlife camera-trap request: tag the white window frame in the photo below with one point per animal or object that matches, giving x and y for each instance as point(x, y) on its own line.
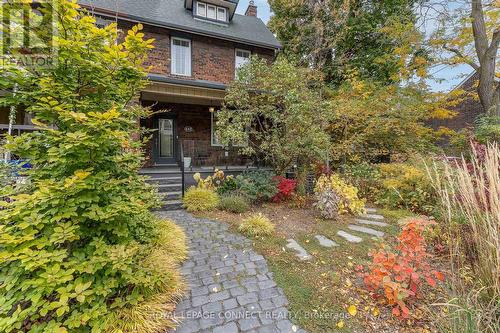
point(236, 67)
point(172, 64)
point(215, 12)
point(204, 5)
point(225, 14)
point(212, 131)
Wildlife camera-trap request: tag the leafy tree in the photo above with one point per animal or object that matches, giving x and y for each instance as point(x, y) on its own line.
point(337, 36)
point(369, 121)
point(469, 33)
point(75, 242)
point(276, 113)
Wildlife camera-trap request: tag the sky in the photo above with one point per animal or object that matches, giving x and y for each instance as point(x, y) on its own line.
point(447, 77)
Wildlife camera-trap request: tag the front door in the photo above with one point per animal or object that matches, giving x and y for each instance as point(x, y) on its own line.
point(165, 141)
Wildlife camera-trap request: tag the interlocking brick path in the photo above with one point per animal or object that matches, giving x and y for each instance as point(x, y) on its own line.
point(231, 288)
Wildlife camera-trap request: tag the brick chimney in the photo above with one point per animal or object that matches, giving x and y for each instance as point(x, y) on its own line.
point(252, 9)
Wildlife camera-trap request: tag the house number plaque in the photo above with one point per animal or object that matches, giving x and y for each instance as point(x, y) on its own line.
point(188, 129)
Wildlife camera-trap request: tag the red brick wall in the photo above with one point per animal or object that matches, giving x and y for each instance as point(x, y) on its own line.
point(212, 59)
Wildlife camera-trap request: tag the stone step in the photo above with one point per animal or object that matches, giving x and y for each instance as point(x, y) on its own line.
point(370, 210)
point(348, 237)
point(368, 222)
point(165, 180)
point(166, 196)
point(301, 252)
point(323, 241)
point(366, 230)
point(372, 217)
point(172, 205)
point(169, 188)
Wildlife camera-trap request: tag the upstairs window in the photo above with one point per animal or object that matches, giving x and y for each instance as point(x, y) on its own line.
point(181, 56)
point(242, 57)
point(211, 12)
point(221, 14)
point(201, 9)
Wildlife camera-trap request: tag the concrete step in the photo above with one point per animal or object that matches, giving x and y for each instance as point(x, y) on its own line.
point(172, 205)
point(372, 217)
point(166, 196)
point(366, 230)
point(301, 253)
point(169, 188)
point(348, 237)
point(160, 172)
point(165, 180)
point(375, 223)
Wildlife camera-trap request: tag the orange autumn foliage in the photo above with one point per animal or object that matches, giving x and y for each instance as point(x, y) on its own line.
point(398, 275)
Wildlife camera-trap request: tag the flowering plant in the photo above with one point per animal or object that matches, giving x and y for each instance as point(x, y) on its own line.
point(345, 194)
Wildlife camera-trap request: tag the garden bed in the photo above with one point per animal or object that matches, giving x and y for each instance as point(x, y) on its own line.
point(321, 290)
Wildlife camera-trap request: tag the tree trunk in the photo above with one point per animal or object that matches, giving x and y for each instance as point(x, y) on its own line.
point(488, 89)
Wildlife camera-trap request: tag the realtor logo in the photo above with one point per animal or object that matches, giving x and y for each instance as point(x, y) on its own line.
point(28, 31)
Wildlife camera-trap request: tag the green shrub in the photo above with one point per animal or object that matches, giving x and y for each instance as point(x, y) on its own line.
point(256, 225)
point(200, 199)
point(365, 177)
point(234, 204)
point(404, 185)
point(80, 244)
point(257, 186)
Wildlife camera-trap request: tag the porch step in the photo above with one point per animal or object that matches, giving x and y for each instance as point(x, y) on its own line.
point(172, 205)
point(165, 180)
point(172, 195)
point(170, 188)
point(160, 172)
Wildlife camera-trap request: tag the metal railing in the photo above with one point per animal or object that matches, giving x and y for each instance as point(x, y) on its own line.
point(181, 163)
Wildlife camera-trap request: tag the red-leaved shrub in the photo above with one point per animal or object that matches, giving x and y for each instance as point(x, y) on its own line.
point(398, 275)
point(286, 188)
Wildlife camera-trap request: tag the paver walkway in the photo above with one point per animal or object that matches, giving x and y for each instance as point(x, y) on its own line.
point(231, 288)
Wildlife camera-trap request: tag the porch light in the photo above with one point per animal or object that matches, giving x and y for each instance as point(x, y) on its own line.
point(211, 109)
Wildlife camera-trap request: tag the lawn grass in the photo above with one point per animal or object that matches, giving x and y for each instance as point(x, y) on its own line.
point(321, 290)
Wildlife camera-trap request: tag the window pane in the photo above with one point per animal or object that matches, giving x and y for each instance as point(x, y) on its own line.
point(166, 131)
point(201, 10)
point(211, 12)
point(181, 57)
point(221, 14)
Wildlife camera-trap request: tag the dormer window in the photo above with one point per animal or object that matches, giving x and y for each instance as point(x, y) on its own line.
point(211, 12)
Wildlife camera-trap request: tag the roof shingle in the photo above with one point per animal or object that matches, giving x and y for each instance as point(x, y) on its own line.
point(172, 14)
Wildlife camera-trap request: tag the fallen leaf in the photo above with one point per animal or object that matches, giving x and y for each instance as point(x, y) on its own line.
point(352, 310)
point(375, 312)
point(340, 324)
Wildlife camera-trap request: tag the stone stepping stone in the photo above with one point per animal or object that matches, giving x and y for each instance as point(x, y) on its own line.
point(323, 241)
point(373, 217)
point(368, 222)
point(301, 252)
point(366, 230)
point(348, 237)
point(370, 210)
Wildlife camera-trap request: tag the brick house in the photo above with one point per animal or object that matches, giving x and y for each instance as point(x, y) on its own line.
point(467, 110)
point(199, 46)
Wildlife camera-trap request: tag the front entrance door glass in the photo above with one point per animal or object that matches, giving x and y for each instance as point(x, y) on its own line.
point(166, 133)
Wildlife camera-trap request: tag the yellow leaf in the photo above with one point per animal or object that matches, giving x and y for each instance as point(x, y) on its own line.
point(350, 264)
point(352, 310)
point(340, 324)
point(375, 312)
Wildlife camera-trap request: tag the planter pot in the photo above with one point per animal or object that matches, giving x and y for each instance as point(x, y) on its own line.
point(187, 162)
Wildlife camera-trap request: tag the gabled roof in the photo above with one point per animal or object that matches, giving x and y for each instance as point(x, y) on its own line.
point(172, 14)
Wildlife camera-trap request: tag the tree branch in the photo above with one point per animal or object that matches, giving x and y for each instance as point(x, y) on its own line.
point(461, 55)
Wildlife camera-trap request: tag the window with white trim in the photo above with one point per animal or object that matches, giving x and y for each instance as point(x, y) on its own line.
point(181, 56)
point(211, 12)
point(201, 9)
point(241, 58)
point(221, 14)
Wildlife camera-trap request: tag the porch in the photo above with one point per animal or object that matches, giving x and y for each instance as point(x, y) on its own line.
point(183, 128)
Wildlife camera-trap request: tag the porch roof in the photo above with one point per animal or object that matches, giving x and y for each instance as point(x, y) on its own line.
point(173, 90)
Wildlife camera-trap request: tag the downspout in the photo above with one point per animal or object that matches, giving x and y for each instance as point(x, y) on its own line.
point(12, 120)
